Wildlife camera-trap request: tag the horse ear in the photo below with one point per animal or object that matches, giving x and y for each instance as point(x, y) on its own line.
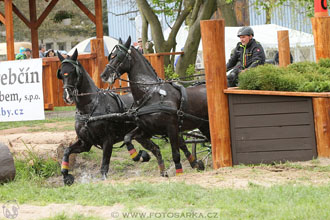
point(75, 55)
point(128, 42)
point(59, 55)
point(120, 41)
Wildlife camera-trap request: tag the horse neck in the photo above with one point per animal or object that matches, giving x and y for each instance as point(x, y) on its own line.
point(142, 72)
point(84, 103)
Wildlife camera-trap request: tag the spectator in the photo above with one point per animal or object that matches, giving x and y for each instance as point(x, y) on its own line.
point(28, 53)
point(21, 55)
point(248, 52)
point(42, 50)
point(177, 59)
point(139, 47)
point(50, 53)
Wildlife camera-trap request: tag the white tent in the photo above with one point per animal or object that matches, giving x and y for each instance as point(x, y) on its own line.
point(301, 43)
point(85, 45)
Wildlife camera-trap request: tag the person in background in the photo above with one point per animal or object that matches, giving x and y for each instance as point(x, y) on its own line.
point(177, 59)
point(42, 50)
point(21, 55)
point(28, 53)
point(276, 58)
point(248, 54)
point(50, 53)
point(139, 47)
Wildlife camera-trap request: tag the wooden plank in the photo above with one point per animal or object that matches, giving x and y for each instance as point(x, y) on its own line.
point(45, 13)
point(216, 81)
point(2, 18)
point(163, 54)
point(9, 30)
point(275, 156)
point(264, 133)
point(283, 48)
point(245, 146)
point(21, 16)
point(84, 9)
point(34, 29)
point(271, 108)
point(277, 93)
point(322, 125)
point(321, 32)
point(250, 99)
point(253, 121)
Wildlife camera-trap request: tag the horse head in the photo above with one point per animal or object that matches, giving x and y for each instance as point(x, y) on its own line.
point(119, 62)
point(70, 74)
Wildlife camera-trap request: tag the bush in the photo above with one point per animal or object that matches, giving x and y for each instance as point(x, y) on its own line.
point(302, 77)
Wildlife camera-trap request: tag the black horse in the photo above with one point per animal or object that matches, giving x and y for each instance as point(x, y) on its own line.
point(80, 89)
point(160, 108)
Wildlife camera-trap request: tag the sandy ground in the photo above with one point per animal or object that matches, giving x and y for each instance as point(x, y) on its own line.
point(46, 143)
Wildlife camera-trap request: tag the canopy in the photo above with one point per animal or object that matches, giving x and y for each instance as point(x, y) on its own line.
point(17, 45)
point(85, 45)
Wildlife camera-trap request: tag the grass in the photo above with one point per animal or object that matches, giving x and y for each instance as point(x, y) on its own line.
point(256, 202)
point(64, 216)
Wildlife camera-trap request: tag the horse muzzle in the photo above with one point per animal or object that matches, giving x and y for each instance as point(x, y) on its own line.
point(67, 96)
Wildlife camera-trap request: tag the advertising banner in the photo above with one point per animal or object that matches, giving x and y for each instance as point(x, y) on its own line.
point(21, 94)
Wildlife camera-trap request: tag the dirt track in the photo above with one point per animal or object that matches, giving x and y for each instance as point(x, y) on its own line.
point(242, 177)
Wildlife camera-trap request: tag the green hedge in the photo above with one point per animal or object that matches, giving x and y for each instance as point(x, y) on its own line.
point(297, 77)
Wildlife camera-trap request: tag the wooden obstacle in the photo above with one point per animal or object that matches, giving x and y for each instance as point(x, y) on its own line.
point(7, 167)
point(242, 140)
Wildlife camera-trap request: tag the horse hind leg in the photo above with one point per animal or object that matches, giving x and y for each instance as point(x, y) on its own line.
point(194, 163)
point(136, 156)
point(154, 148)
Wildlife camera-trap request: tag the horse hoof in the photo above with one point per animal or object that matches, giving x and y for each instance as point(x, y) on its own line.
point(104, 177)
point(68, 180)
point(200, 165)
point(164, 174)
point(145, 156)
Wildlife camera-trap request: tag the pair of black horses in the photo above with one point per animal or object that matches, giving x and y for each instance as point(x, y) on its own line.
point(155, 107)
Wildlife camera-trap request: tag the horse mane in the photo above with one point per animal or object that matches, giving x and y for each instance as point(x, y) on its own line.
point(145, 60)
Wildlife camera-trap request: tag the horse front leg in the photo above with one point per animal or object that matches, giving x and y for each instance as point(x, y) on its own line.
point(107, 152)
point(175, 144)
point(130, 147)
point(154, 148)
point(77, 147)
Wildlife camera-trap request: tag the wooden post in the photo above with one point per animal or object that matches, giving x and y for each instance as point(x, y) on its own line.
point(321, 32)
point(321, 29)
point(98, 19)
point(321, 110)
point(213, 39)
point(9, 29)
point(283, 48)
point(34, 28)
point(97, 47)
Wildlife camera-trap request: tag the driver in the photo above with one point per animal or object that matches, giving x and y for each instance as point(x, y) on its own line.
point(247, 54)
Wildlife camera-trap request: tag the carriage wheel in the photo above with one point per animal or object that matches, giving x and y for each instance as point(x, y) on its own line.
point(202, 152)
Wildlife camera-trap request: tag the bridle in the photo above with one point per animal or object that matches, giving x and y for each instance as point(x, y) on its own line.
point(67, 87)
point(123, 54)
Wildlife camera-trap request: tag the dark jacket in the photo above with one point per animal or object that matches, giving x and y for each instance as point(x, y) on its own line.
point(249, 56)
